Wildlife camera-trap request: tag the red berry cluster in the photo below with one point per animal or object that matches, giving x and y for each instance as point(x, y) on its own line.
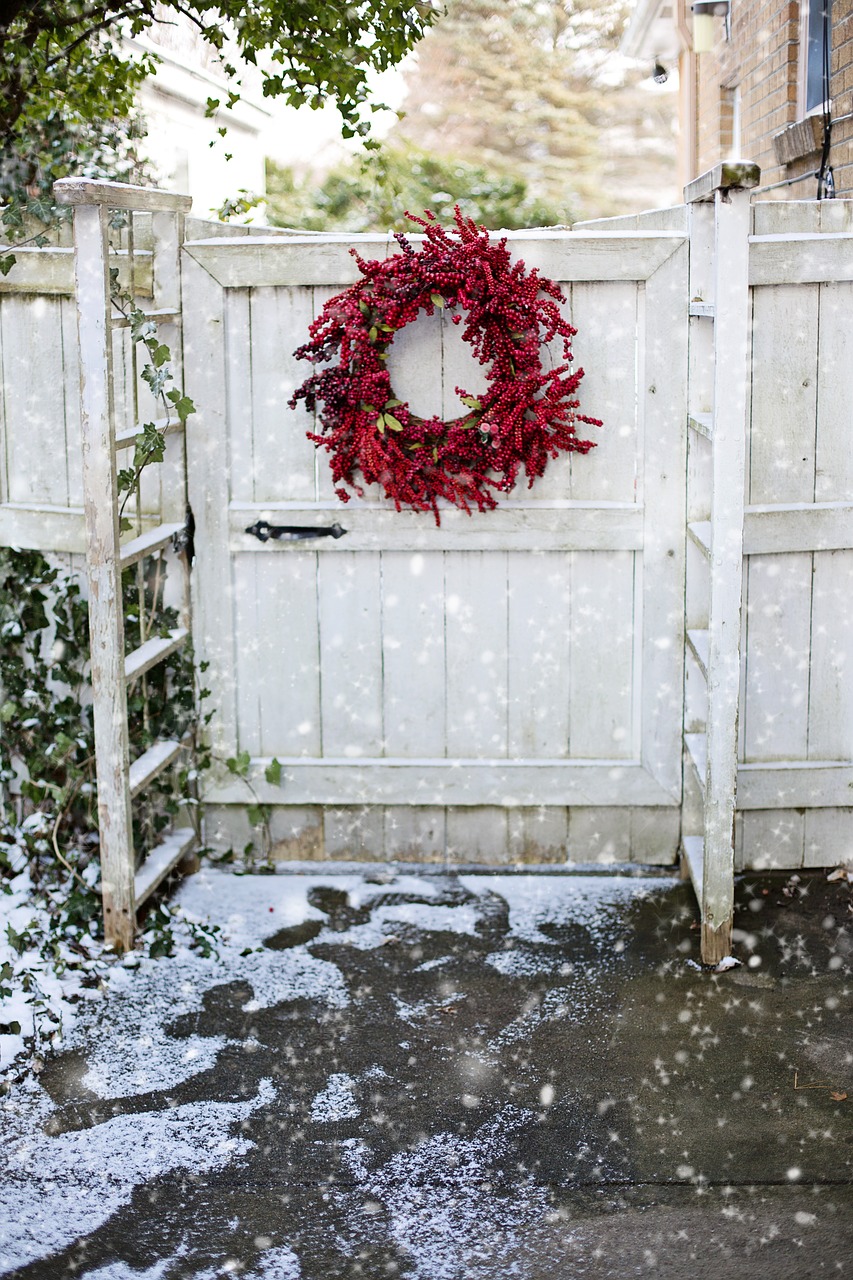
point(526, 416)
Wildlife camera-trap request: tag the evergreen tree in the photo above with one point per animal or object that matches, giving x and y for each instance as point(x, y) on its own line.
point(535, 87)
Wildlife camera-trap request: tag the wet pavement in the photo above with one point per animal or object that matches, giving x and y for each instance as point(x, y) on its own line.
point(440, 1076)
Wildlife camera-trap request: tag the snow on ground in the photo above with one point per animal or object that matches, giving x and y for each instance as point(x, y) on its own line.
point(58, 1187)
point(595, 902)
point(442, 1206)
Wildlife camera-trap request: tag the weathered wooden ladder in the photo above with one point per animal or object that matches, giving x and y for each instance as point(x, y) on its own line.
point(124, 887)
point(719, 221)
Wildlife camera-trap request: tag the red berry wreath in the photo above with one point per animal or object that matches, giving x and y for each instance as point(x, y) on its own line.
point(526, 416)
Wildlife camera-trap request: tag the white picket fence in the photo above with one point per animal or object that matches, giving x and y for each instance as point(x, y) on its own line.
point(576, 676)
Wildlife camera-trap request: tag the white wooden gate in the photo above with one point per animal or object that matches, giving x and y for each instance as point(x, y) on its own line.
point(505, 687)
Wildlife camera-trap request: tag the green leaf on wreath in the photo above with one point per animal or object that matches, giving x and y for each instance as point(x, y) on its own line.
point(380, 424)
point(394, 423)
point(362, 306)
point(373, 334)
point(471, 401)
point(437, 300)
point(392, 404)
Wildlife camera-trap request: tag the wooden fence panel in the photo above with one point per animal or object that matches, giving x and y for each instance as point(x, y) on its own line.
point(405, 659)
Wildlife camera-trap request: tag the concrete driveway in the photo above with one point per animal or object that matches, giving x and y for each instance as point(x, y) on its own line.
point(389, 1072)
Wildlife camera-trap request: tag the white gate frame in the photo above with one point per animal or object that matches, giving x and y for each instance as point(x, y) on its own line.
point(718, 207)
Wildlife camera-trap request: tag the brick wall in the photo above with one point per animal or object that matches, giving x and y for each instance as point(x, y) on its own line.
point(761, 61)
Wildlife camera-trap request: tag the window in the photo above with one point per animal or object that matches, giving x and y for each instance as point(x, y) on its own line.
point(815, 55)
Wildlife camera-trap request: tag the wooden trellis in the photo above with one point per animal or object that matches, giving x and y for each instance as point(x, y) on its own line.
point(124, 888)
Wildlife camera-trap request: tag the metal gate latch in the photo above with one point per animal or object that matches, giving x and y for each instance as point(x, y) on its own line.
point(263, 531)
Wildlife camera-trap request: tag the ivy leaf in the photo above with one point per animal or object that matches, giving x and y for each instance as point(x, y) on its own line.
point(256, 813)
point(239, 764)
point(160, 355)
point(272, 773)
point(7, 262)
point(183, 405)
point(437, 300)
point(394, 423)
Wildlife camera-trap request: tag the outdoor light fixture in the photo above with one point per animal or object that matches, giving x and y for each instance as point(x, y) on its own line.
point(704, 13)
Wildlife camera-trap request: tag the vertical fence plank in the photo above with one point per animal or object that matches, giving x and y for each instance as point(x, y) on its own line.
point(834, 456)
point(413, 657)
point(350, 653)
point(606, 318)
point(288, 654)
point(830, 710)
point(106, 621)
point(283, 458)
point(540, 630)
point(784, 390)
point(34, 397)
point(209, 481)
point(601, 702)
point(476, 629)
point(479, 834)
point(414, 833)
point(777, 678)
point(659, 598)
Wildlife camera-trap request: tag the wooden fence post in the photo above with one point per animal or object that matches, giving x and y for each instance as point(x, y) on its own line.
point(727, 187)
point(106, 618)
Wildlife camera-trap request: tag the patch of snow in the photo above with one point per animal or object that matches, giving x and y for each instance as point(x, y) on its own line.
point(121, 1271)
point(336, 1101)
point(276, 1264)
point(58, 1188)
point(595, 902)
point(463, 919)
point(522, 964)
point(443, 1210)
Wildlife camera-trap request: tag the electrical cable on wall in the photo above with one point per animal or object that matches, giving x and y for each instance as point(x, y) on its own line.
point(825, 176)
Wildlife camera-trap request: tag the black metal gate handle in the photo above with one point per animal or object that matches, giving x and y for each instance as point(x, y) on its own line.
point(263, 531)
